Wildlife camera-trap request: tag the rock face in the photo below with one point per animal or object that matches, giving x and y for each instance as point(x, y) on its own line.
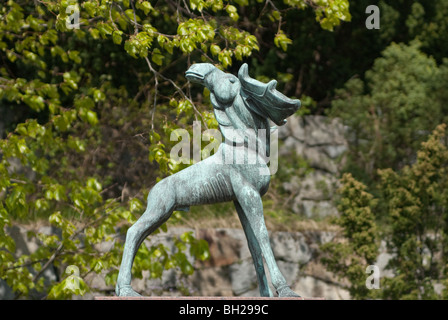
point(228, 272)
point(320, 141)
point(24, 246)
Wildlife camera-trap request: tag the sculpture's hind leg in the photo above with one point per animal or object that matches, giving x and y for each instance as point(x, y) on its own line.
point(252, 207)
point(256, 253)
point(160, 206)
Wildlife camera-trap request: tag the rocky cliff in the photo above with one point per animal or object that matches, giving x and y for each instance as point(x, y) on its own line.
point(228, 272)
point(320, 142)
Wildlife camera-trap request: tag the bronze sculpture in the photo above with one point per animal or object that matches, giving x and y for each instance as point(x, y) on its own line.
point(243, 107)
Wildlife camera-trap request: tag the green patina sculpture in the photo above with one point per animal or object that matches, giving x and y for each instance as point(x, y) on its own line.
point(243, 107)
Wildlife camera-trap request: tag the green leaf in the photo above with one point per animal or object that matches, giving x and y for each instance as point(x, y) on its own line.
point(135, 205)
point(94, 33)
point(94, 184)
point(282, 41)
point(55, 218)
point(74, 56)
point(215, 49)
point(232, 11)
point(146, 6)
point(276, 14)
point(116, 36)
point(131, 48)
point(35, 102)
point(98, 95)
point(157, 57)
point(92, 117)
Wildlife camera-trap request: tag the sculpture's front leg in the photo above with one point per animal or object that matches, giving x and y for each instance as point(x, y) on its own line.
point(161, 204)
point(126, 291)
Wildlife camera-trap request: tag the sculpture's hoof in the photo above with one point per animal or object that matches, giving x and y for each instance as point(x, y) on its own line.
point(285, 291)
point(127, 291)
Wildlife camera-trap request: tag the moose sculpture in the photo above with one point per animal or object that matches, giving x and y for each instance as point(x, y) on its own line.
point(243, 107)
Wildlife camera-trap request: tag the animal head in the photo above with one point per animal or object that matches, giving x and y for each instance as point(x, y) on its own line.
point(258, 97)
point(224, 86)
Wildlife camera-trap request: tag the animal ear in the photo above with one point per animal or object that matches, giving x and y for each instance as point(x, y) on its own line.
point(244, 71)
point(264, 99)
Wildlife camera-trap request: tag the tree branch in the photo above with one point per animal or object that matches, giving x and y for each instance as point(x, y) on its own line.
point(181, 92)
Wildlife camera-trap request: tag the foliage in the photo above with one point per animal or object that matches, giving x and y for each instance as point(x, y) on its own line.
point(417, 202)
point(89, 114)
point(349, 259)
point(416, 231)
point(393, 105)
point(404, 21)
point(392, 111)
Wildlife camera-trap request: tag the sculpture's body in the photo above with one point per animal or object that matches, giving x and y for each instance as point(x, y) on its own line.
point(239, 103)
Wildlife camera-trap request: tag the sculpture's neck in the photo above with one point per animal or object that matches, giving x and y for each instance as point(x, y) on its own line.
point(232, 113)
point(240, 125)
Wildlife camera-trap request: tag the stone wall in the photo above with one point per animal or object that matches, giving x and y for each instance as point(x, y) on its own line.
point(228, 272)
point(320, 141)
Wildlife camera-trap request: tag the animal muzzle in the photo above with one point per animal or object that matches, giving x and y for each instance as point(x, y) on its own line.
point(194, 76)
point(198, 72)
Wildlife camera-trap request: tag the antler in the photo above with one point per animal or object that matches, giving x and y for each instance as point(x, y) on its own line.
point(264, 99)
